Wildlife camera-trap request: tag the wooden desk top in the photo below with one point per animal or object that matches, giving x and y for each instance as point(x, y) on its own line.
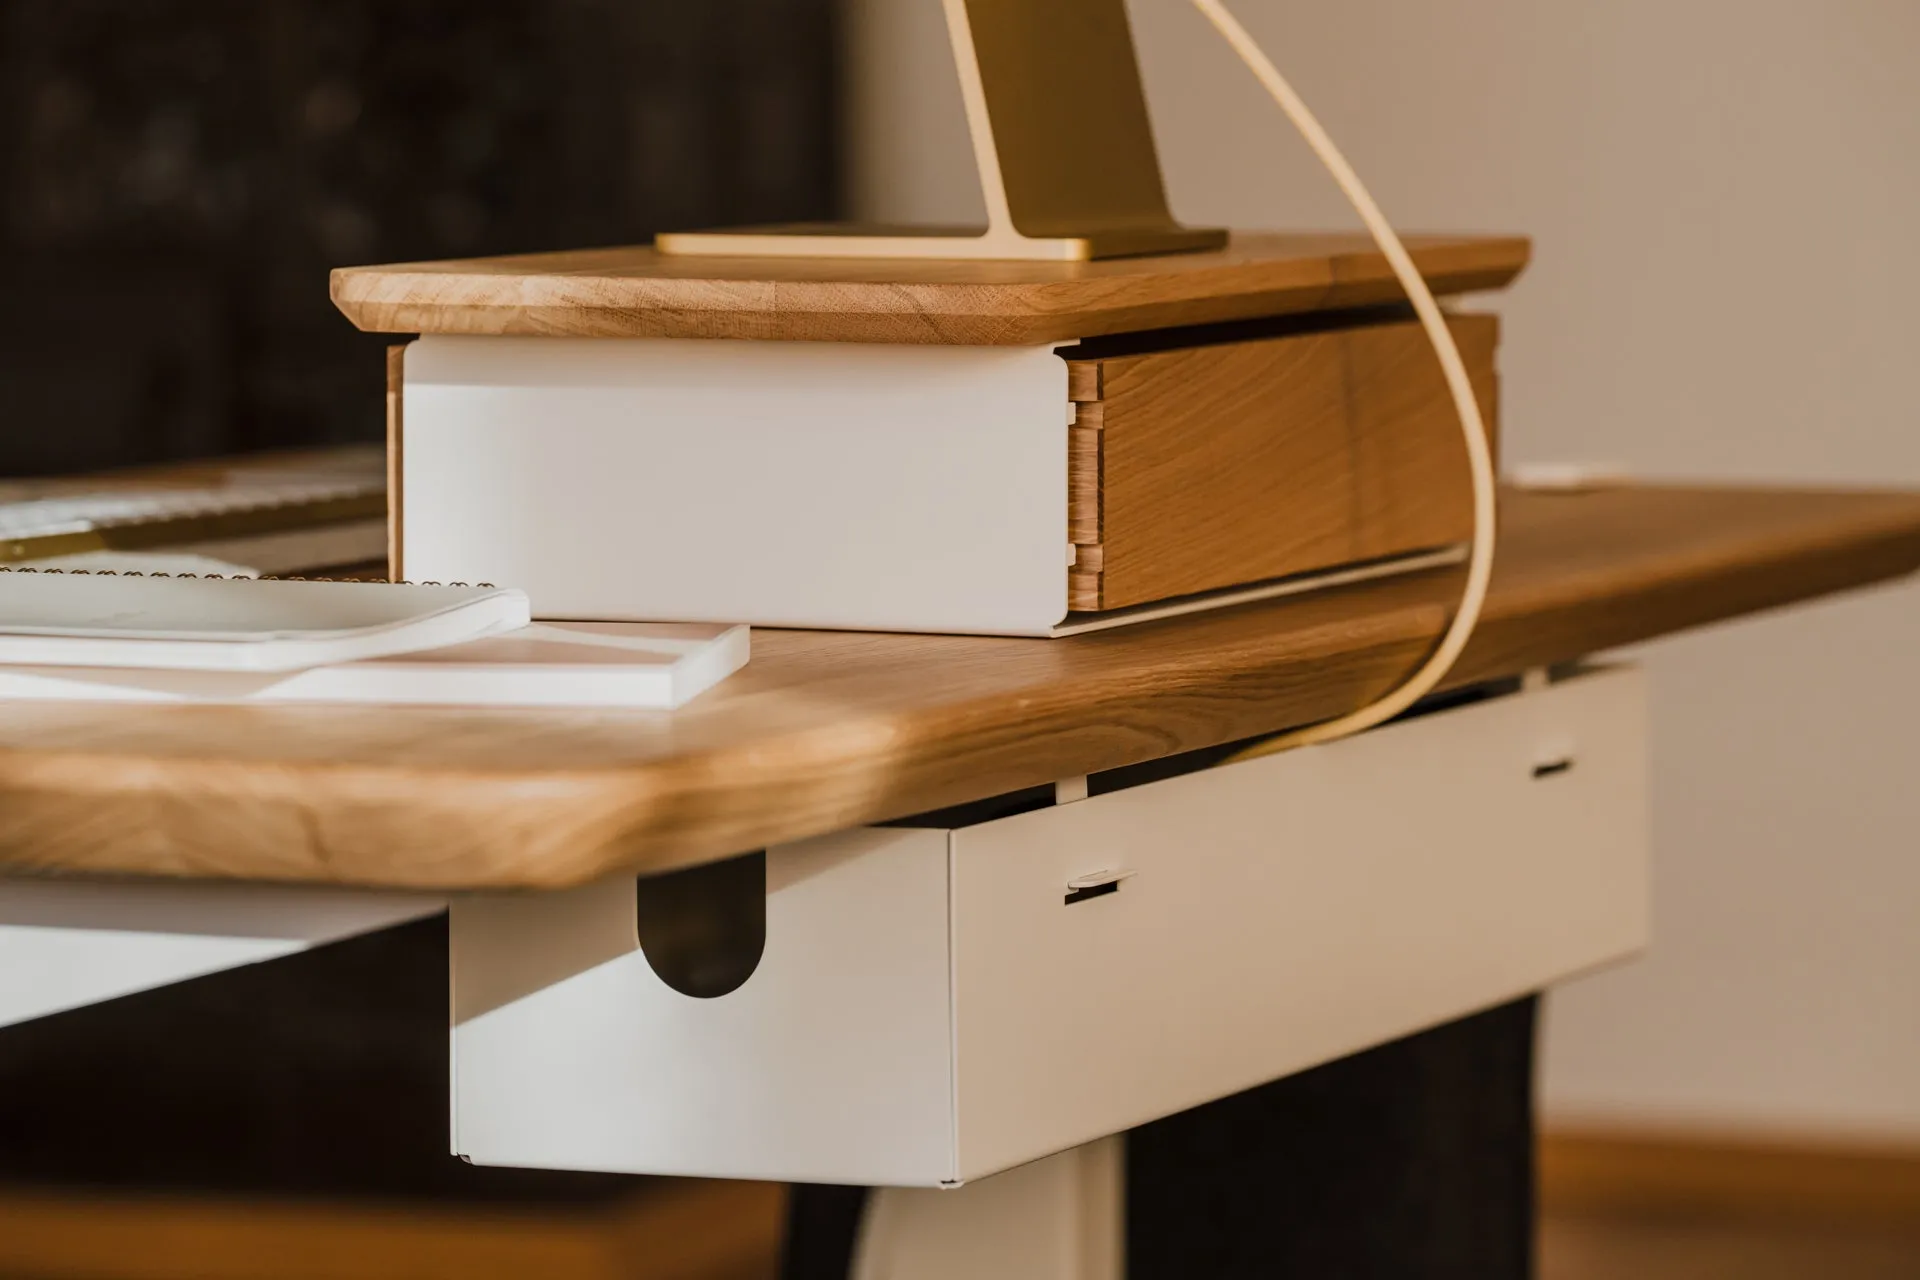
point(826, 730)
point(637, 293)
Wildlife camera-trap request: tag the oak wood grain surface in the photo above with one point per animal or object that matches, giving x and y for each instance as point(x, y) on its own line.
point(1212, 466)
point(1678, 1173)
point(706, 1230)
point(637, 293)
point(826, 730)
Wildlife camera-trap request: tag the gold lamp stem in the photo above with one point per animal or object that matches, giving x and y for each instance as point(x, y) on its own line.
point(1061, 140)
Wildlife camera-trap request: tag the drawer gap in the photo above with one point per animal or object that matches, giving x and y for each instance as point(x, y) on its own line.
point(1213, 335)
point(1027, 799)
point(975, 812)
point(1135, 775)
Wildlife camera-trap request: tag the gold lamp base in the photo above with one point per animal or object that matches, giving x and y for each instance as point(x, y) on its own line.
point(852, 240)
point(1060, 138)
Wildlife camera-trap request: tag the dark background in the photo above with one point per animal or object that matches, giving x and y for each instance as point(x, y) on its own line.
point(176, 179)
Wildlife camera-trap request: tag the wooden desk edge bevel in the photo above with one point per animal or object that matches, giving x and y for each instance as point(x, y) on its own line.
point(636, 293)
point(877, 727)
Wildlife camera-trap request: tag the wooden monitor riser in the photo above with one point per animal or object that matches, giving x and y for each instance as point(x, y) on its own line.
point(637, 292)
point(1231, 417)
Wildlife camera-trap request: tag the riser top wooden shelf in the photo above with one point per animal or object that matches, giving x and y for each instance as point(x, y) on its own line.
point(638, 293)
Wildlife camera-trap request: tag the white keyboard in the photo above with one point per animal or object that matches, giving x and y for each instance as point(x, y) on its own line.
point(81, 513)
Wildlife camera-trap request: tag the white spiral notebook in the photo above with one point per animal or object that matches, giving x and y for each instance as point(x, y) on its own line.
point(50, 618)
point(548, 664)
point(154, 639)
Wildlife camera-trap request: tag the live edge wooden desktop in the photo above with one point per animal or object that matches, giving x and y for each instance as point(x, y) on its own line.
point(1417, 1159)
point(828, 730)
point(1002, 890)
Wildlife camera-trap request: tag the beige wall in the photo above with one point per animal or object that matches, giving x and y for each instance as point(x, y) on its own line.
point(1725, 196)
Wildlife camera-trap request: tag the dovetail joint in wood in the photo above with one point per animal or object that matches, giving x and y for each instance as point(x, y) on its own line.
point(1083, 380)
point(1086, 387)
point(1083, 591)
point(1084, 501)
point(1083, 485)
point(396, 445)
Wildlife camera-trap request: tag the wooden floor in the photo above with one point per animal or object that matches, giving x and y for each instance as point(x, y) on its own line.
point(1615, 1208)
point(1615, 1247)
point(1653, 1207)
point(119, 1241)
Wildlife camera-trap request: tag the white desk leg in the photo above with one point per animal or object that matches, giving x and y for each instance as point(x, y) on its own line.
point(1062, 1218)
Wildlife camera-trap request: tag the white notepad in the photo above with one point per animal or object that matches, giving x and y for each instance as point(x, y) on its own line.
point(547, 664)
point(235, 624)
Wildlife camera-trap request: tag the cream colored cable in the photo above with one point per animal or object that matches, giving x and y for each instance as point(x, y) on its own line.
point(1479, 457)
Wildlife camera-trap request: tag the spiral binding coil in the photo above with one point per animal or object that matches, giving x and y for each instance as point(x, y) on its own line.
point(222, 577)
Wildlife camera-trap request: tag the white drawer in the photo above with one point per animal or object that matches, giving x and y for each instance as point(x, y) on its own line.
point(929, 1008)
